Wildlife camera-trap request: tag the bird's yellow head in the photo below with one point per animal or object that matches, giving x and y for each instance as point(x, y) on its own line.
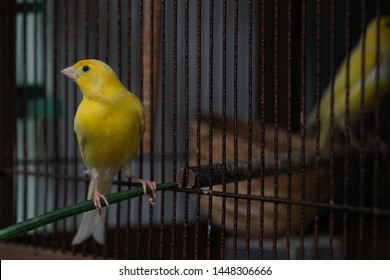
point(384, 34)
point(96, 79)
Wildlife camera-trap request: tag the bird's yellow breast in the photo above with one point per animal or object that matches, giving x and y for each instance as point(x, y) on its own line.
point(108, 135)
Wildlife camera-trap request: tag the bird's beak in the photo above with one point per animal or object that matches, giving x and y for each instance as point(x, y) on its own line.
point(70, 72)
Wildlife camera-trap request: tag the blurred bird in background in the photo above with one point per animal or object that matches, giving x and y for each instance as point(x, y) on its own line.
point(109, 125)
point(372, 72)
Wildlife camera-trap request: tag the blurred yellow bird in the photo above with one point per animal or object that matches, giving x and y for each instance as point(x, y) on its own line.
point(370, 73)
point(109, 126)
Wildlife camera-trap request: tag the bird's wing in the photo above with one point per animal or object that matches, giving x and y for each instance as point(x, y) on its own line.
point(142, 120)
point(355, 77)
point(81, 144)
point(355, 71)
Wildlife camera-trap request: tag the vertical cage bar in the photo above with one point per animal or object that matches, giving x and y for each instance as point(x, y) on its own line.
point(141, 150)
point(235, 127)
point(186, 117)
point(107, 31)
point(56, 7)
point(302, 128)
point(74, 86)
point(163, 128)
point(317, 123)
point(262, 126)
point(46, 130)
point(151, 117)
point(289, 112)
point(66, 117)
point(362, 150)
point(250, 129)
point(224, 81)
point(347, 132)
point(36, 160)
point(120, 71)
point(107, 60)
point(198, 117)
point(86, 26)
point(276, 126)
point(97, 29)
point(376, 136)
point(129, 73)
point(332, 126)
point(24, 98)
point(211, 73)
point(174, 140)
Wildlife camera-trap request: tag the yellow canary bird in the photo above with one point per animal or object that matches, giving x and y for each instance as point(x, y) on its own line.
point(109, 125)
point(372, 72)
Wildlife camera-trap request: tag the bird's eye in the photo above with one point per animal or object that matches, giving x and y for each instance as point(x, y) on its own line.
point(86, 68)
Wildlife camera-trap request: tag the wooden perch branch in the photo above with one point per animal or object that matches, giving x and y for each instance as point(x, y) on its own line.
point(193, 177)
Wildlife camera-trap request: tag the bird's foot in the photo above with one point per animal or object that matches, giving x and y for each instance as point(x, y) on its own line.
point(145, 183)
point(96, 199)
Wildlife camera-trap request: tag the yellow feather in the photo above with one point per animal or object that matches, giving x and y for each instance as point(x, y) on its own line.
point(356, 76)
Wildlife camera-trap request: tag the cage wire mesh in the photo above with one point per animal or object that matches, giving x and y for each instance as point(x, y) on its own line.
point(228, 87)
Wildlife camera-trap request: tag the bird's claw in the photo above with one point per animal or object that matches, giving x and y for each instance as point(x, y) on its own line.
point(152, 186)
point(96, 200)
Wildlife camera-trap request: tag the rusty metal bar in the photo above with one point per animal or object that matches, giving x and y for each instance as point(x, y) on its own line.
point(289, 135)
point(34, 93)
point(318, 99)
point(332, 125)
point(97, 29)
point(104, 252)
point(198, 116)
point(377, 140)
point(75, 150)
point(46, 139)
point(86, 25)
point(224, 81)
point(174, 140)
point(55, 29)
point(67, 117)
point(120, 71)
point(262, 125)
point(250, 125)
point(345, 229)
point(129, 84)
point(210, 185)
point(224, 127)
point(302, 156)
point(235, 126)
point(276, 122)
point(362, 150)
point(152, 107)
point(24, 98)
point(163, 127)
point(384, 212)
point(186, 124)
point(141, 88)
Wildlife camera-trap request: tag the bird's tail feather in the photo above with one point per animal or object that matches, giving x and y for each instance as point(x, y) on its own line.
point(92, 222)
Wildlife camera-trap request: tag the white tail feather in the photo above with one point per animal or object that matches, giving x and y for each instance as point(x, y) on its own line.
point(92, 223)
